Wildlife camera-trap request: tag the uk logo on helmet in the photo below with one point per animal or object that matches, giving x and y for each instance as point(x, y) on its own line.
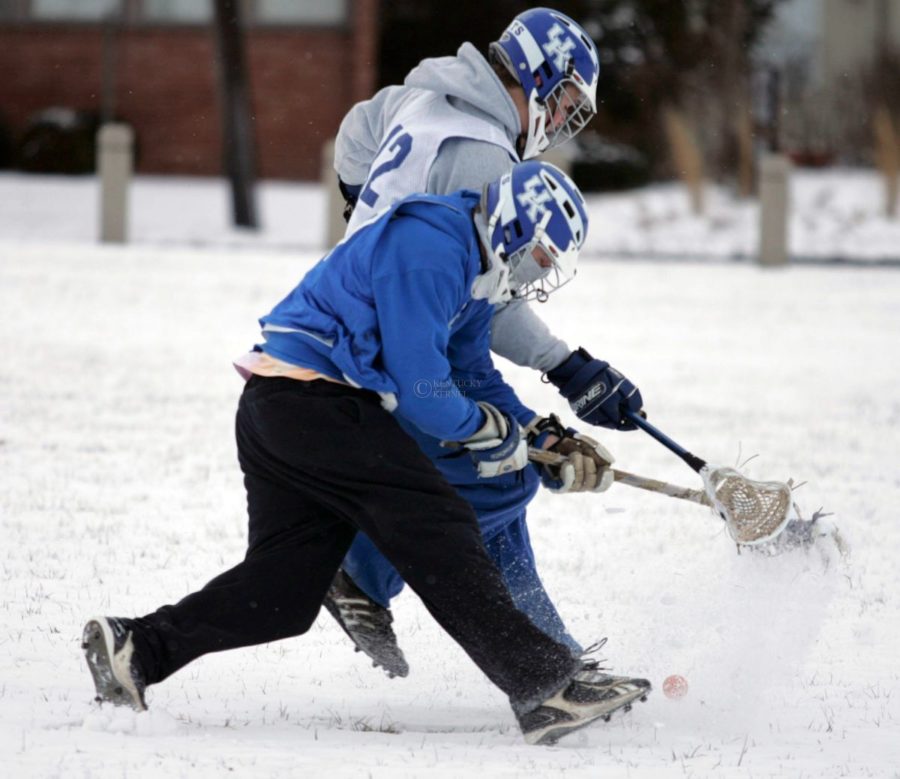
point(558, 46)
point(533, 197)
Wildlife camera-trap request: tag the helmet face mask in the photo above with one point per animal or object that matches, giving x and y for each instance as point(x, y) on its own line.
point(534, 226)
point(557, 66)
point(568, 110)
point(535, 269)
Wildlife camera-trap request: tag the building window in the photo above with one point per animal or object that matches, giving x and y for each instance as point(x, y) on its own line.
point(284, 13)
point(177, 11)
point(299, 12)
point(84, 10)
point(8, 10)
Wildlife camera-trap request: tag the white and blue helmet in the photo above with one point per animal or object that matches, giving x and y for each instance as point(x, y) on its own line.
point(533, 213)
point(553, 59)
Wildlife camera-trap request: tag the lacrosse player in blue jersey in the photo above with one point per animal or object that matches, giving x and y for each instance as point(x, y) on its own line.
point(323, 441)
point(460, 122)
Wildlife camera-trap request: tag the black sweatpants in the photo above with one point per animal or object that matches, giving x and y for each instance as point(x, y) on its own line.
point(321, 461)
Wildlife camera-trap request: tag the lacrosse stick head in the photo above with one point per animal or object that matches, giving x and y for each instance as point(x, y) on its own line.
point(754, 511)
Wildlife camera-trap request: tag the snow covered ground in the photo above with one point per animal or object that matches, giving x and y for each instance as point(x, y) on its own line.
point(119, 491)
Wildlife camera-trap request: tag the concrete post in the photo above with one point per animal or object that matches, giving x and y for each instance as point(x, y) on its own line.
point(334, 201)
point(773, 209)
point(114, 162)
point(887, 155)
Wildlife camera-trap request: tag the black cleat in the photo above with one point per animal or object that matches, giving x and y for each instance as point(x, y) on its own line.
point(589, 696)
point(109, 650)
point(367, 623)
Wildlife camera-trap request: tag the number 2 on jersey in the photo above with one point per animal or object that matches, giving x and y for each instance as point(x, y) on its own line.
point(401, 144)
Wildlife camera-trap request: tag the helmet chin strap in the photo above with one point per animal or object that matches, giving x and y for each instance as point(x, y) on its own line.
point(492, 284)
point(536, 140)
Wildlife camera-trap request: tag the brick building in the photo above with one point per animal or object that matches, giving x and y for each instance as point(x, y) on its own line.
point(152, 64)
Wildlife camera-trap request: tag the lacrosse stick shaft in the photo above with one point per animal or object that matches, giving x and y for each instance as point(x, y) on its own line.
point(692, 460)
point(662, 487)
point(629, 479)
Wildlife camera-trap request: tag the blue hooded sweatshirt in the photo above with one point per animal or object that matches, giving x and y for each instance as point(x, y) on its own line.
point(390, 309)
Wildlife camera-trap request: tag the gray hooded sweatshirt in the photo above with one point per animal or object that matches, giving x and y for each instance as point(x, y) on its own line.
point(477, 97)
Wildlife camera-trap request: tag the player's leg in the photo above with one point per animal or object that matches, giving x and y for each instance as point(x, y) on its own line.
point(510, 548)
point(294, 548)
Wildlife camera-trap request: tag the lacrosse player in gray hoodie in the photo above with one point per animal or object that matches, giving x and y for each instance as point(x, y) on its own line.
point(461, 122)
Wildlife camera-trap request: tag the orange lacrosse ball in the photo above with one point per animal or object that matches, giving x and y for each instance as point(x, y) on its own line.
point(675, 686)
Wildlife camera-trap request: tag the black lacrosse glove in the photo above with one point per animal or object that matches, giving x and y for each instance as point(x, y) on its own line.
point(350, 193)
point(597, 393)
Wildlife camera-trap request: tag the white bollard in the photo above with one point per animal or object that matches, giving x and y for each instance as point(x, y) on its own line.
point(115, 144)
point(773, 209)
point(334, 201)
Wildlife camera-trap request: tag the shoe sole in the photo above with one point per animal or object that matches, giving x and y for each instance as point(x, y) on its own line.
point(113, 682)
point(390, 669)
point(622, 704)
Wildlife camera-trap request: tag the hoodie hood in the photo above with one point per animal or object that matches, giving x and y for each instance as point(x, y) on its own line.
point(471, 85)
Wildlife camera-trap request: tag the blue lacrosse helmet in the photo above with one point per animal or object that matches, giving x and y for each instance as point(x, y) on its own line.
point(556, 63)
point(533, 224)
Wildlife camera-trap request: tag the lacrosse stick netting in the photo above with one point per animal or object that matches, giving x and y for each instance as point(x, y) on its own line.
point(754, 511)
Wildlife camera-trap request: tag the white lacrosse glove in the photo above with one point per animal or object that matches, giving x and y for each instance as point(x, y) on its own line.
point(498, 446)
point(586, 467)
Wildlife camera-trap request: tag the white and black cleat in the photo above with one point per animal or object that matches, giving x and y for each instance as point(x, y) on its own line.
point(109, 649)
point(588, 697)
point(367, 623)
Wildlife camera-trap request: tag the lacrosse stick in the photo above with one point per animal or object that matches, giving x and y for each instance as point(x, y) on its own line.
point(754, 511)
point(744, 498)
point(798, 533)
point(544, 457)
